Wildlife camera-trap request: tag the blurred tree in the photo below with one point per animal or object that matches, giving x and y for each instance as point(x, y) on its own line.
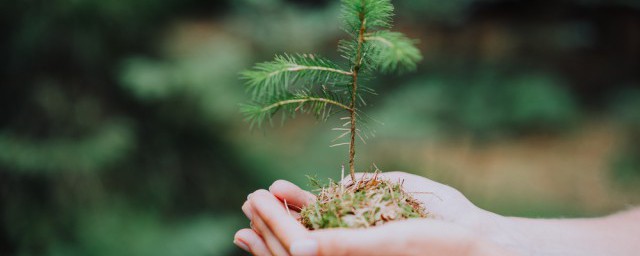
point(86, 169)
point(625, 107)
point(484, 103)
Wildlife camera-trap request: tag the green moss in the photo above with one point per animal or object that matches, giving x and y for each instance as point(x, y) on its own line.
point(365, 203)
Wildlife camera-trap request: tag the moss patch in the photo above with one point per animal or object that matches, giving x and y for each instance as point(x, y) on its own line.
point(364, 203)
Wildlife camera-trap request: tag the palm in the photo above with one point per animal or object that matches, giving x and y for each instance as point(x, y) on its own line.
point(442, 202)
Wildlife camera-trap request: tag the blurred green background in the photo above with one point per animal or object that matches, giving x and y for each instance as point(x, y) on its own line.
point(120, 132)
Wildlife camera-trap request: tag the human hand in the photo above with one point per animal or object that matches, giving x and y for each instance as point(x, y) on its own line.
point(453, 230)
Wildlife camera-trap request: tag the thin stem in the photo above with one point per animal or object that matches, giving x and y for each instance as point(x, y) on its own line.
point(354, 89)
point(285, 102)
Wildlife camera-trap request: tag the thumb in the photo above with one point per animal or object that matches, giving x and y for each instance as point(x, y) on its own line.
point(384, 240)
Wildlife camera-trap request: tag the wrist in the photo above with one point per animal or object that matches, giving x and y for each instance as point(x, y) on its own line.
point(489, 234)
point(497, 233)
point(481, 247)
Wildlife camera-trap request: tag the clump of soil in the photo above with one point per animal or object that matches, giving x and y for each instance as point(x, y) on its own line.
point(367, 202)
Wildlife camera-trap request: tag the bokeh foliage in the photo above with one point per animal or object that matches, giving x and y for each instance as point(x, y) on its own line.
point(120, 131)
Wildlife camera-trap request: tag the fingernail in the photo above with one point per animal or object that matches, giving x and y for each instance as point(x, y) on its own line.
point(247, 212)
point(249, 196)
point(304, 248)
point(241, 244)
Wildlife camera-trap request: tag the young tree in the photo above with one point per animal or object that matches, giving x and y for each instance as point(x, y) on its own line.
point(312, 84)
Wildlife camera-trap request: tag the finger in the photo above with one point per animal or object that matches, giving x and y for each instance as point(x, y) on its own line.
point(269, 209)
point(294, 195)
point(336, 242)
point(410, 237)
point(373, 241)
point(250, 241)
point(273, 243)
point(261, 229)
point(246, 209)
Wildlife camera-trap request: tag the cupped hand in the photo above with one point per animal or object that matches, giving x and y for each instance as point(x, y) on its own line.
point(455, 226)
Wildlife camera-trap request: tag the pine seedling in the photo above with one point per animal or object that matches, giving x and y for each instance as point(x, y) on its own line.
point(308, 83)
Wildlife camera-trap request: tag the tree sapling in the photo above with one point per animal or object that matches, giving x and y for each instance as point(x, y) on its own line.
point(308, 83)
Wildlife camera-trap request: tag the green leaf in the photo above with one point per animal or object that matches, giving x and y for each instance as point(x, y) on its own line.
point(373, 14)
point(322, 105)
point(393, 51)
point(272, 79)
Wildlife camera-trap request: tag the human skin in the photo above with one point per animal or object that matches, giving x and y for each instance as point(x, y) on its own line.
point(456, 227)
